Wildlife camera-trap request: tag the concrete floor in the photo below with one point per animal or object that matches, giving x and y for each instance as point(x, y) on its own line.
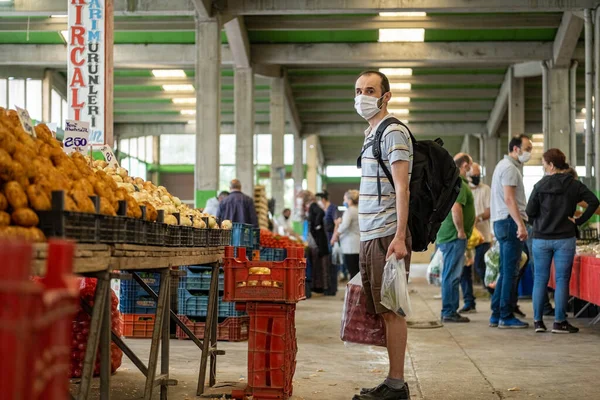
point(467, 361)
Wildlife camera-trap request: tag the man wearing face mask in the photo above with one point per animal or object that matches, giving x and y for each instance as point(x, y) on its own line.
point(509, 216)
point(481, 194)
point(383, 220)
point(452, 242)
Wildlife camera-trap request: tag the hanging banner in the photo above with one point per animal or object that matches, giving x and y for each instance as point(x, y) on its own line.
point(89, 77)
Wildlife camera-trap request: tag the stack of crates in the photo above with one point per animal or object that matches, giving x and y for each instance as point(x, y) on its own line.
point(269, 291)
point(193, 295)
point(138, 308)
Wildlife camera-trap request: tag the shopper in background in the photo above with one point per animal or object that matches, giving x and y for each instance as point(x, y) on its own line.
point(284, 223)
point(383, 221)
point(331, 214)
point(317, 240)
point(481, 195)
point(552, 206)
point(237, 207)
point(508, 215)
point(347, 232)
point(212, 204)
point(452, 242)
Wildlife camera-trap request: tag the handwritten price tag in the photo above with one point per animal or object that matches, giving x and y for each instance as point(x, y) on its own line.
point(77, 136)
point(109, 156)
point(26, 121)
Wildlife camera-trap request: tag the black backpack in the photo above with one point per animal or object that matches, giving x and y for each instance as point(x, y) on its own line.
point(434, 186)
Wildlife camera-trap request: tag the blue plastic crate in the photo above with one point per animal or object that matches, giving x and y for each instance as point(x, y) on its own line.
point(255, 239)
point(279, 254)
point(197, 306)
point(199, 281)
point(131, 303)
point(248, 252)
point(151, 279)
point(267, 254)
point(241, 235)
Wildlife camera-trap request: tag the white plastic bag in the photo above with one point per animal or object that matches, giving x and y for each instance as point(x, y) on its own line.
point(394, 288)
point(434, 269)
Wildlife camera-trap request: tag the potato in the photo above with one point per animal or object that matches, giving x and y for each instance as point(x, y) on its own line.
point(226, 224)
point(170, 220)
point(133, 208)
point(106, 208)
point(15, 195)
point(25, 217)
point(3, 202)
point(38, 198)
point(185, 221)
point(83, 201)
point(37, 235)
point(4, 218)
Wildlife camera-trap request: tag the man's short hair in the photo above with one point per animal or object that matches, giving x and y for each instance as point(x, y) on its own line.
point(462, 158)
point(385, 82)
point(286, 209)
point(235, 184)
point(516, 141)
point(323, 195)
point(224, 193)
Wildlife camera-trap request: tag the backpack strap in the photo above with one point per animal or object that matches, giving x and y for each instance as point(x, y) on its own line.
point(376, 144)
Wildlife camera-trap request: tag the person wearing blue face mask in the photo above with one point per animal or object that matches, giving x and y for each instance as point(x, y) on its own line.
point(348, 232)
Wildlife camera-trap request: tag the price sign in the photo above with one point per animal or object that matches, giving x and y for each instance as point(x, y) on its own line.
point(109, 156)
point(77, 136)
point(26, 121)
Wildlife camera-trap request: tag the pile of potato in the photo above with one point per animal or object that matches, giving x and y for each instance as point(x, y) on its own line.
point(31, 168)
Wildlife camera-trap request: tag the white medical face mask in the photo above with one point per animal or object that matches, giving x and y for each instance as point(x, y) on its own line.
point(366, 106)
point(524, 157)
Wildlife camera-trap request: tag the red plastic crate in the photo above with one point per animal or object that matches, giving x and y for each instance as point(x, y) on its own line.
point(138, 325)
point(285, 282)
point(272, 350)
point(233, 329)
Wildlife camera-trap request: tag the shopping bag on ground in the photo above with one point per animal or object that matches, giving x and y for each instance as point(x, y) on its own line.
point(394, 288)
point(358, 326)
point(492, 266)
point(434, 269)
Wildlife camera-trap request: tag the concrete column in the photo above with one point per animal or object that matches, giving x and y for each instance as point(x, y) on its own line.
point(208, 109)
point(47, 96)
point(490, 157)
point(277, 113)
point(298, 170)
point(516, 106)
point(243, 105)
point(559, 115)
point(312, 163)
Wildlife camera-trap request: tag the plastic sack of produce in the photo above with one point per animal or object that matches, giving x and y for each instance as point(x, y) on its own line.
point(492, 264)
point(475, 239)
point(81, 331)
point(358, 326)
point(394, 288)
point(434, 269)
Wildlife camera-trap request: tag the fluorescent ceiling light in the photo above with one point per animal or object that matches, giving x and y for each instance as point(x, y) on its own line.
point(400, 100)
point(537, 136)
point(169, 73)
point(178, 88)
point(396, 71)
point(185, 100)
point(402, 35)
point(583, 111)
point(402, 14)
point(65, 36)
point(59, 16)
point(188, 112)
point(400, 86)
point(400, 111)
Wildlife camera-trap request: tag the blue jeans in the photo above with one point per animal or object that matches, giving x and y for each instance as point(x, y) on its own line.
point(510, 256)
point(454, 260)
point(563, 252)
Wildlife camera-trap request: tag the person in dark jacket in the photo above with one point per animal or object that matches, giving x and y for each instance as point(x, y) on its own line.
point(331, 214)
point(237, 207)
point(552, 206)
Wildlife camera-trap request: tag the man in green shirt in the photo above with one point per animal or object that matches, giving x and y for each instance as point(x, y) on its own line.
point(452, 242)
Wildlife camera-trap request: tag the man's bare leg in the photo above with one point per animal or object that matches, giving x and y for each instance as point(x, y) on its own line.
point(396, 333)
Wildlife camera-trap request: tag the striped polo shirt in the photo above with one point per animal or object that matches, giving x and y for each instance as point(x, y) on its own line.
point(378, 220)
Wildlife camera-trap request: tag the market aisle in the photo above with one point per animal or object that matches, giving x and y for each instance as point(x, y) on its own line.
point(468, 362)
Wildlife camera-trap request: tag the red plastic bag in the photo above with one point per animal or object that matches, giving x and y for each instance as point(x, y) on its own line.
point(358, 326)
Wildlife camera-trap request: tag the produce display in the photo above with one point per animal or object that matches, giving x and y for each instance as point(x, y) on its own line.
point(271, 240)
point(81, 331)
point(262, 206)
point(31, 168)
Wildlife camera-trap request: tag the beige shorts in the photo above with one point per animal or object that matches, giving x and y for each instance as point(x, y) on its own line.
point(372, 263)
